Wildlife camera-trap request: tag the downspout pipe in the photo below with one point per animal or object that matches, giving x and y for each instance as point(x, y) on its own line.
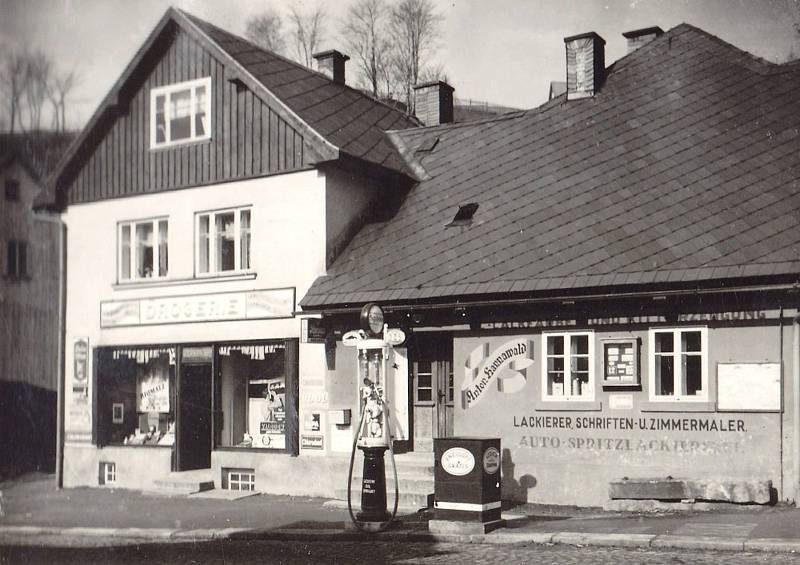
point(796, 409)
point(62, 303)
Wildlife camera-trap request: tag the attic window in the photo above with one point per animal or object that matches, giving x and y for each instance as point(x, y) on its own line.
point(464, 215)
point(428, 145)
point(180, 113)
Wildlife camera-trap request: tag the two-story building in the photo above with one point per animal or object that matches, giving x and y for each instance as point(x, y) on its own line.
point(213, 185)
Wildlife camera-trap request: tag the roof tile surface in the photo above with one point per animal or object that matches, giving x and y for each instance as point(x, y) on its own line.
point(684, 167)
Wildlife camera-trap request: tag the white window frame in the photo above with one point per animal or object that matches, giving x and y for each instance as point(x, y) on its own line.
point(591, 384)
point(213, 268)
point(679, 395)
point(167, 91)
point(134, 275)
point(246, 479)
point(109, 472)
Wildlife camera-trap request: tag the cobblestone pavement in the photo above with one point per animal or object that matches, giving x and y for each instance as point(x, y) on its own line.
point(328, 553)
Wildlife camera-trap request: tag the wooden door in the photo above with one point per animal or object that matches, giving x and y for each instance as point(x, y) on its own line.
point(194, 417)
point(432, 375)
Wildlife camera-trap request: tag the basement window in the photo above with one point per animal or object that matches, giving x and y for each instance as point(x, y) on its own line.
point(108, 473)
point(239, 479)
point(464, 215)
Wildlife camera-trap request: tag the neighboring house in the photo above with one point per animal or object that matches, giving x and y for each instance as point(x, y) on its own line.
point(212, 186)
point(609, 282)
point(29, 302)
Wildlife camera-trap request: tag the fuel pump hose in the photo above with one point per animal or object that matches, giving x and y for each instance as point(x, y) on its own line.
point(356, 523)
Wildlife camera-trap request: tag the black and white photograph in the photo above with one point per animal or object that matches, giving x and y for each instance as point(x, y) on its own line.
point(400, 281)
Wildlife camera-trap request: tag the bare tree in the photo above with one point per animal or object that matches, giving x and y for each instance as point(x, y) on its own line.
point(37, 78)
point(309, 32)
point(58, 90)
point(266, 30)
point(14, 77)
point(365, 34)
point(415, 27)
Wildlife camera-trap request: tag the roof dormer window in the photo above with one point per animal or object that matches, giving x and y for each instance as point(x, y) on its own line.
point(180, 113)
point(464, 215)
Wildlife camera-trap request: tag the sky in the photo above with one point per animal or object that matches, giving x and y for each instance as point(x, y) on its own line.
point(503, 52)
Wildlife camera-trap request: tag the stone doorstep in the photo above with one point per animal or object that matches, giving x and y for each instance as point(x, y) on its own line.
point(712, 490)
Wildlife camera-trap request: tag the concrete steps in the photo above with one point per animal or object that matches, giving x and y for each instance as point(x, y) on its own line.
point(184, 483)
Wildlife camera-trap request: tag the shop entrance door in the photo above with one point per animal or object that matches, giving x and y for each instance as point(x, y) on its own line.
point(194, 417)
point(432, 373)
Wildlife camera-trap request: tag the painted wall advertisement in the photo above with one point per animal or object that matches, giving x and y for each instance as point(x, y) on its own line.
point(267, 413)
point(548, 448)
point(78, 424)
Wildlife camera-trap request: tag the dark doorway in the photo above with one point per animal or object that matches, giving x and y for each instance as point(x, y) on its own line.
point(194, 417)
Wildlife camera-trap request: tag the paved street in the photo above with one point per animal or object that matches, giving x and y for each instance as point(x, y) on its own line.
point(244, 552)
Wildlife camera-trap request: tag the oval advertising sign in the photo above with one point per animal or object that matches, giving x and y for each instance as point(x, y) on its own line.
point(491, 460)
point(458, 461)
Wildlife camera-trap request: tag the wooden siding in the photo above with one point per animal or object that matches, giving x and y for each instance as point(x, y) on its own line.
point(248, 138)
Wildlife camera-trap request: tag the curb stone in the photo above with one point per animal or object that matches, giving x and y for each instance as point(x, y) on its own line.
point(767, 545)
point(698, 542)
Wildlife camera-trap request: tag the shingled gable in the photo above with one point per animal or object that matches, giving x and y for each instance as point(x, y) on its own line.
point(681, 172)
point(334, 122)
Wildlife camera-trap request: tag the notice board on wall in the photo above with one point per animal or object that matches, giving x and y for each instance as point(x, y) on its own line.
point(749, 386)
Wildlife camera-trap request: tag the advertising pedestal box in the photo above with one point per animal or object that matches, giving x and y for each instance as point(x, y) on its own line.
point(467, 479)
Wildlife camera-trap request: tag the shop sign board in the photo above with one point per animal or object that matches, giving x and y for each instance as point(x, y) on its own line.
point(217, 307)
point(508, 364)
point(749, 386)
point(311, 442)
point(312, 330)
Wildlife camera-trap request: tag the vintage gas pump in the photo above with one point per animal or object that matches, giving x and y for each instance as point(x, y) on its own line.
point(373, 343)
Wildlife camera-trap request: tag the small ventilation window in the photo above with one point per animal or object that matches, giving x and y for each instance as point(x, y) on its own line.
point(239, 479)
point(108, 473)
point(428, 145)
point(464, 215)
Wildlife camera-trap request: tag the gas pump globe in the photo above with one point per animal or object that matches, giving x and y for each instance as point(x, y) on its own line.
point(373, 343)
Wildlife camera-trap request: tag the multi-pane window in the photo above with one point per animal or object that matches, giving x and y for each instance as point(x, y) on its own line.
point(12, 190)
point(223, 241)
point(180, 113)
point(143, 249)
point(568, 371)
point(17, 259)
point(424, 388)
point(242, 480)
point(678, 362)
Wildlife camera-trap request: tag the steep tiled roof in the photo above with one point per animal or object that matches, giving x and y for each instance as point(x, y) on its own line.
point(683, 168)
point(349, 119)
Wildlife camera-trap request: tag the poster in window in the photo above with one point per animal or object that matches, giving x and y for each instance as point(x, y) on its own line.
point(152, 387)
point(267, 413)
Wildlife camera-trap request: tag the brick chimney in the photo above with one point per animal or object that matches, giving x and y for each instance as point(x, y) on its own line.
point(433, 103)
point(639, 37)
point(331, 63)
point(585, 64)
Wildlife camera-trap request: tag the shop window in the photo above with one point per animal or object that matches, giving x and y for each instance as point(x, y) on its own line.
point(180, 113)
point(12, 190)
point(223, 241)
point(239, 479)
point(108, 473)
point(252, 396)
point(135, 391)
point(143, 250)
point(678, 364)
point(17, 259)
point(568, 370)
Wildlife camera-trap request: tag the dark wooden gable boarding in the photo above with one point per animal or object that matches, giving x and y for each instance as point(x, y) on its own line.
point(248, 138)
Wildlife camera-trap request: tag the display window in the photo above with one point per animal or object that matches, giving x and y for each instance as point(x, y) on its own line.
point(135, 390)
point(568, 366)
point(252, 396)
